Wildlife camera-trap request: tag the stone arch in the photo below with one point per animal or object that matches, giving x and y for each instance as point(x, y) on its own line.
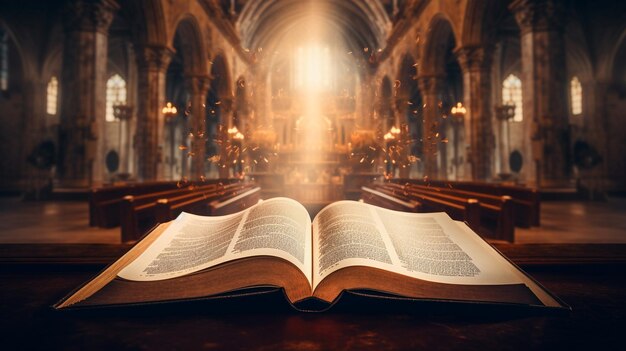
point(220, 95)
point(472, 23)
point(220, 76)
point(406, 76)
point(386, 103)
point(440, 33)
point(193, 48)
point(240, 110)
point(149, 25)
point(16, 121)
point(478, 21)
point(409, 103)
point(385, 87)
point(578, 62)
point(618, 55)
point(27, 66)
point(406, 88)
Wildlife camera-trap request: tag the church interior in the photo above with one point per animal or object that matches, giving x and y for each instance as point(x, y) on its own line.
point(506, 114)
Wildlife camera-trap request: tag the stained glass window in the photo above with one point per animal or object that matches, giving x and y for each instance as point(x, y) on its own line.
point(52, 96)
point(576, 95)
point(116, 95)
point(512, 95)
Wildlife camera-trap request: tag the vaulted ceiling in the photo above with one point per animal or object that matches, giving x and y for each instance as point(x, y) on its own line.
point(360, 23)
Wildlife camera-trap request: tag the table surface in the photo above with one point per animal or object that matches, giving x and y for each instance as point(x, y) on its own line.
point(595, 292)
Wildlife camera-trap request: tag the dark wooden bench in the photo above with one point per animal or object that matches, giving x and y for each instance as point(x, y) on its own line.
point(522, 210)
point(138, 214)
point(206, 203)
point(467, 210)
point(492, 220)
point(392, 202)
point(235, 203)
point(104, 202)
point(526, 201)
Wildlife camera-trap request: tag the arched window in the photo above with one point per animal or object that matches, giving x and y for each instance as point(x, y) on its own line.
point(4, 60)
point(576, 95)
point(52, 96)
point(116, 95)
point(512, 95)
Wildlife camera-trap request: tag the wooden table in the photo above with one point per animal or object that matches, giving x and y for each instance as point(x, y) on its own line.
point(595, 290)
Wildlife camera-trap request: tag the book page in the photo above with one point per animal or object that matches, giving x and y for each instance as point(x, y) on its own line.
point(278, 227)
point(539, 292)
point(429, 246)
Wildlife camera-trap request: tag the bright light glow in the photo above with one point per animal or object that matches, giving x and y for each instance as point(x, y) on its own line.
point(512, 95)
point(116, 95)
point(52, 96)
point(458, 109)
point(312, 68)
point(576, 93)
point(169, 109)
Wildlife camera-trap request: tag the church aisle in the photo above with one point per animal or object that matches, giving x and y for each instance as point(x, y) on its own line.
point(50, 222)
point(578, 222)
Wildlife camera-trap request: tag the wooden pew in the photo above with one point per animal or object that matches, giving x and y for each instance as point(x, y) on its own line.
point(138, 214)
point(236, 203)
point(467, 210)
point(497, 216)
point(522, 210)
point(527, 201)
point(378, 198)
point(104, 202)
point(204, 204)
point(493, 220)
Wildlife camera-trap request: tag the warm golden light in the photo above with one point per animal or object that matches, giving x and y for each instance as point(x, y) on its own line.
point(169, 109)
point(458, 110)
point(313, 68)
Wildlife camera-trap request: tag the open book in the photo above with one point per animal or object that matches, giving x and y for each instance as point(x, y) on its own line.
point(348, 246)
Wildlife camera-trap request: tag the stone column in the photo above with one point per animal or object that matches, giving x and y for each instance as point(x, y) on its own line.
point(476, 62)
point(240, 109)
point(198, 87)
point(83, 82)
point(152, 63)
point(386, 109)
point(227, 110)
point(227, 121)
point(543, 84)
point(430, 87)
point(262, 98)
point(400, 109)
point(400, 121)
